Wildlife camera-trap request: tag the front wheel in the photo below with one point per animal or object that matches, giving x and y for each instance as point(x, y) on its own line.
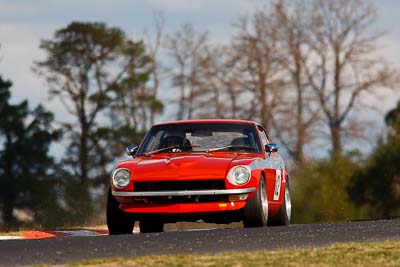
point(285, 211)
point(255, 214)
point(118, 222)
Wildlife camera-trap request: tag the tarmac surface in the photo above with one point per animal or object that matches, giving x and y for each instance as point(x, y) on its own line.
point(61, 250)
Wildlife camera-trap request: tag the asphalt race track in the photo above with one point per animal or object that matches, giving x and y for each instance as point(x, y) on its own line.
point(70, 249)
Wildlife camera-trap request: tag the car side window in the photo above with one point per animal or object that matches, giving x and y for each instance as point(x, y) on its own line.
point(263, 136)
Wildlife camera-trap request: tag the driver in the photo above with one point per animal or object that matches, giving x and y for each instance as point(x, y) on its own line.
point(173, 138)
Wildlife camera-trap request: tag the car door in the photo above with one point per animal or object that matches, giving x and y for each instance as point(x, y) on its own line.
point(273, 169)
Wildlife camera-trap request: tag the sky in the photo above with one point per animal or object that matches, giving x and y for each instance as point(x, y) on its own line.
point(23, 23)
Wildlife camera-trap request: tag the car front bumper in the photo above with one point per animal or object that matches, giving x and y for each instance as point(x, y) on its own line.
point(184, 193)
point(127, 201)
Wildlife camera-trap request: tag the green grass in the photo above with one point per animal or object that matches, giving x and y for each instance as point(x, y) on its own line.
point(345, 254)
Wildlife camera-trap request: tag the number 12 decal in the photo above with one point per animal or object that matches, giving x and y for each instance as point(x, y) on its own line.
point(278, 181)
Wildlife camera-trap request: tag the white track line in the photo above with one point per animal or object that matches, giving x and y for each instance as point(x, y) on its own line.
point(8, 237)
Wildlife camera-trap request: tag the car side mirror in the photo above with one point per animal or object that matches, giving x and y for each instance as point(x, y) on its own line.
point(131, 150)
point(269, 148)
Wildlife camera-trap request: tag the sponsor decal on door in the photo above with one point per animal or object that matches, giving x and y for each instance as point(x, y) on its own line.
point(278, 181)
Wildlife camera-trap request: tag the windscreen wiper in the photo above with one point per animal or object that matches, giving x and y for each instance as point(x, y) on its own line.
point(169, 148)
point(225, 147)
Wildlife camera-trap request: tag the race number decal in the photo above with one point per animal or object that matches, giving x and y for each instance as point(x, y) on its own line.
point(278, 181)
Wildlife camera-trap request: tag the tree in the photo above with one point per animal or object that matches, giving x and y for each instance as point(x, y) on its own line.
point(392, 120)
point(221, 85)
point(376, 185)
point(157, 70)
point(271, 48)
point(298, 110)
point(187, 49)
point(319, 192)
point(257, 52)
point(92, 68)
point(345, 65)
point(28, 175)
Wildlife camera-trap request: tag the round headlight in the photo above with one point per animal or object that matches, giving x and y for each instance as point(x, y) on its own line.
point(121, 178)
point(239, 175)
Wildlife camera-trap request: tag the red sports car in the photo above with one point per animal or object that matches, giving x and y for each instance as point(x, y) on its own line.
point(218, 171)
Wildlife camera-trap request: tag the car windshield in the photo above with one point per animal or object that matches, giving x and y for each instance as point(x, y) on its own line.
point(201, 137)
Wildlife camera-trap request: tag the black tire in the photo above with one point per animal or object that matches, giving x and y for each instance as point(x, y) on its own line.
point(118, 222)
point(151, 226)
point(285, 211)
point(255, 214)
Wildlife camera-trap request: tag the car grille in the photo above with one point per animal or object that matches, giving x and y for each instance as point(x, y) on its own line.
point(178, 185)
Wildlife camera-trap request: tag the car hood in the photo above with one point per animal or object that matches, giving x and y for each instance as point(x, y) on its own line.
point(182, 167)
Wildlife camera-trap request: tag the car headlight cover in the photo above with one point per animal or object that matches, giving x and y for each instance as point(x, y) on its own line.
point(239, 175)
point(121, 178)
